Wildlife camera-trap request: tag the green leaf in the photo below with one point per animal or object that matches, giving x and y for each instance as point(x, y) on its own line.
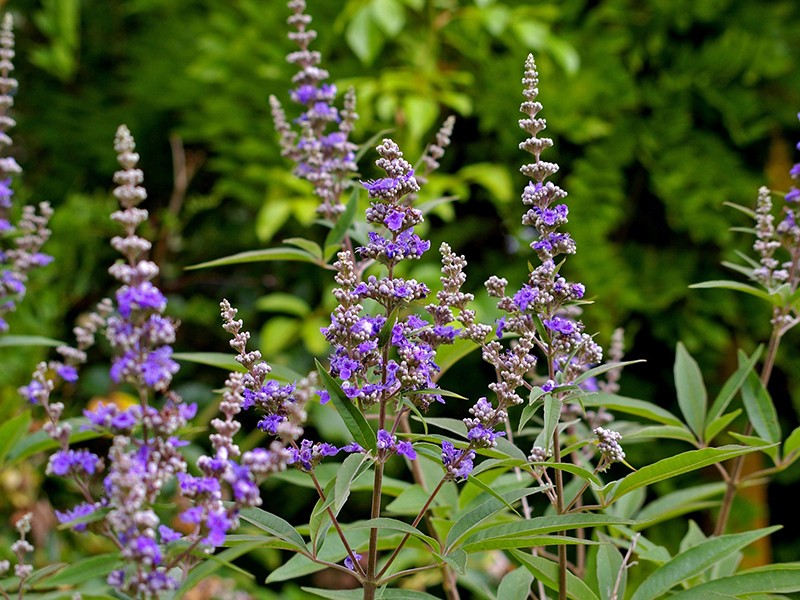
point(735, 285)
point(543, 525)
point(389, 15)
point(792, 442)
point(309, 246)
point(81, 571)
point(692, 395)
point(28, 340)
point(355, 422)
point(488, 489)
point(319, 522)
point(516, 585)
point(363, 36)
point(546, 571)
point(694, 561)
point(268, 254)
point(12, 431)
point(772, 579)
point(40, 441)
point(672, 467)
point(283, 303)
point(604, 368)
point(448, 355)
point(525, 541)
point(577, 470)
point(274, 525)
point(467, 522)
point(661, 432)
point(350, 469)
point(212, 563)
point(717, 426)
point(457, 561)
point(760, 408)
point(677, 503)
point(609, 567)
point(339, 230)
point(731, 387)
point(381, 594)
point(631, 406)
point(221, 360)
point(493, 177)
point(552, 414)
point(409, 502)
point(437, 391)
point(395, 525)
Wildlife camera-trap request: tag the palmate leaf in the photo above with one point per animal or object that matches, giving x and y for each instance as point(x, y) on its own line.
point(694, 561)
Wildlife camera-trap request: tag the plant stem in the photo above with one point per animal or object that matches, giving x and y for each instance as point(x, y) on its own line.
point(738, 465)
point(449, 583)
point(562, 549)
point(356, 565)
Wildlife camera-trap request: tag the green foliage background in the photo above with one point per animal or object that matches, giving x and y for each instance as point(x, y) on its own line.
point(661, 110)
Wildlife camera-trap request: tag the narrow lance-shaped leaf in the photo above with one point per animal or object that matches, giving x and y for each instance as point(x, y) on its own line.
point(692, 395)
point(694, 561)
point(355, 422)
point(546, 571)
point(268, 254)
point(731, 387)
point(760, 408)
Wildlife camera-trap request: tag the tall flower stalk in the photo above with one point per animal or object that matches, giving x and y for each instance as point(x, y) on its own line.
point(30, 232)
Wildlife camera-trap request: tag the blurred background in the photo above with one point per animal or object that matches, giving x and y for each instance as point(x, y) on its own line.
point(661, 111)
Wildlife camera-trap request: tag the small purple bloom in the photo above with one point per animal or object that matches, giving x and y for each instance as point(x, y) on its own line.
point(68, 373)
point(394, 220)
point(168, 535)
point(348, 562)
point(560, 325)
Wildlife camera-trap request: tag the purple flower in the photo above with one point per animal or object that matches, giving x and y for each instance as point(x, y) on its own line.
point(168, 535)
point(525, 297)
point(394, 220)
point(67, 373)
point(158, 368)
point(458, 463)
point(78, 462)
point(560, 325)
point(144, 296)
point(348, 562)
point(76, 512)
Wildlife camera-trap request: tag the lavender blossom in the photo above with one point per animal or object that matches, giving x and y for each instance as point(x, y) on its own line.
point(30, 232)
point(322, 156)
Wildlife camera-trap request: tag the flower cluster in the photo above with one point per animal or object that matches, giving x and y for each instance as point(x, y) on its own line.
point(608, 445)
point(21, 548)
point(323, 157)
point(30, 232)
point(145, 455)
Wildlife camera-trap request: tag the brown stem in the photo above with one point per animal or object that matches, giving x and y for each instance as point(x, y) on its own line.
point(738, 465)
point(449, 579)
point(335, 521)
point(562, 549)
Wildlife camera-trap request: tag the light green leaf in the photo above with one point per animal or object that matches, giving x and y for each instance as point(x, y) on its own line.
point(309, 246)
point(363, 36)
point(731, 387)
point(82, 570)
point(543, 525)
point(692, 395)
point(355, 422)
point(760, 408)
point(409, 502)
point(212, 563)
point(339, 230)
point(274, 525)
point(494, 178)
point(792, 442)
point(268, 254)
point(546, 571)
point(525, 541)
point(39, 441)
point(395, 525)
point(12, 431)
point(552, 414)
point(677, 503)
point(284, 303)
point(717, 426)
point(457, 561)
point(221, 360)
point(631, 406)
point(672, 467)
point(772, 579)
point(609, 567)
point(350, 469)
point(604, 368)
point(28, 340)
point(389, 15)
point(448, 355)
point(694, 561)
point(735, 285)
point(661, 432)
point(467, 522)
point(381, 594)
point(577, 470)
point(516, 585)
